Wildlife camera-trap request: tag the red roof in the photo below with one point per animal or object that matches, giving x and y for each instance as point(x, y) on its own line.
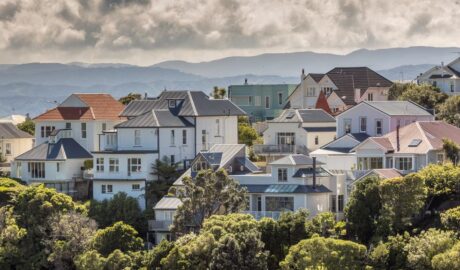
point(321, 103)
point(99, 107)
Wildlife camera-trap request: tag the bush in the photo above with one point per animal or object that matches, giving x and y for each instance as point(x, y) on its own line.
point(119, 236)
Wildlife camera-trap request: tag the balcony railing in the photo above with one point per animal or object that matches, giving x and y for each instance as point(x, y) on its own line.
point(159, 225)
point(261, 214)
point(267, 149)
point(58, 134)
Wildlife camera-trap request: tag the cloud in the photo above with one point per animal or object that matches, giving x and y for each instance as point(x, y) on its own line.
point(152, 30)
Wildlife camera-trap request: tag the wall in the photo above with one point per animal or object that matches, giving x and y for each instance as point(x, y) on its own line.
point(149, 139)
point(18, 147)
point(147, 160)
point(406, 120)
point(323, 139)
point(179, 150)
point(358, 111)
point(274, 128)
point(378, 94)
point(228, 131)
point(120, 186)
point(317, 203)
point(68, 169)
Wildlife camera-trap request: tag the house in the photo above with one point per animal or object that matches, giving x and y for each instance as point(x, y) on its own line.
point(297, 131)
point(13, 142)
point(64, 138)
point(296, 182)
point(260, 101)
point(445, 77)
point(343, 87)
point(380, 173)
point(176, 125)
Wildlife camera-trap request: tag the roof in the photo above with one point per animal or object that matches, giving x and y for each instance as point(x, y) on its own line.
point(65, 148)
point(10, 131)
point(321, 103)
point(96, 107)
point(304, 116)
point(188, 103)
point(320, 129)
point(316, 76)
point(168, 203)
point(347, 79)
point(358, 137)
point(155, 118)
point(295, 159)
point(381, 173)
point(286, 188)
point(301, 173)
point(399, 107)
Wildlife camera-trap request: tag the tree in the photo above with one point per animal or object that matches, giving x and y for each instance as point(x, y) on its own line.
point(447, 260)
point(218, 93)
point(154, 257)
point(90, 260)
point(452, 150)
point(363, 208)
point(390, 254)
point(166, 173)
point(450, 219)
point(210, 193)
point(422, 248)
point(10, 236)
point(425, 95)
point(9, 190)
point(449, 111)
point(119, 236)
point(325, 225)
point(396, 90)
point(27, 126)
point(117, 260)
point(130, 97)
point(325, 253)
point(246, 133)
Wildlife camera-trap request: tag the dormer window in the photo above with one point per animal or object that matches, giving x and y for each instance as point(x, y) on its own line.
point(171, 103)
point(199, 165)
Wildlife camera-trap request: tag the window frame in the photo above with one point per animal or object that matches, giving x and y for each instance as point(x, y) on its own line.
point(282, 175)
point(377, 127)
point(114, 165)
point(361, 118)
point(84, 131)
point(172, 139)
point(136, 189)
point(8, 150)
point(100, 164)
point(280, 98)
point(267, 103)
point(345, 120)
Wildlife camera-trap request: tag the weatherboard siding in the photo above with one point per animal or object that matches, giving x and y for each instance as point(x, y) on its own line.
point(120, 186)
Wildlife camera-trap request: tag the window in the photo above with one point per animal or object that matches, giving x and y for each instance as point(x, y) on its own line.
point(282, 175)
point(257, 101)
point(435, 83)
point(100, 164)
point(104, 126)
point(136, 187)
point(389, 162)
point(36, 169)
point(285, 138)
point(267, 102)
point(280, 98)
point(333, 203)
point(327, 90)
point(137, 137)
point(8, 149)
point(341, 202)
point(250, 100)
point(172, 103)
point(279, 203)
point(68, 125)
point(403, 163)
point(199, 165)
point(114, 165)
point(184, 136)
point(19, 170)
point(106, 189)
point(111, 139)
point(134, 165)
point(363, 124)
point(45, 131)
point(109, 188)
point(203, 139)
point(452, 87)
point(58, 167)
point(311, 92)
point(316, 140)
point(440, 158)
point(218, 127)
point(83, 130)
point(347, 125)
point(368, 163)
point(172, 158)
point(370, 96)
point(172, 139)
point(378, 127)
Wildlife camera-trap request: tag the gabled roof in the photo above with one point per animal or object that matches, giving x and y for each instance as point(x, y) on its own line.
point(168, 203)
point(10, 131)
point(302, 172)
point(316, 76)
point(356, 137)
point(188, 103)
point(65, 148)
point(286, 188)
point(295, 159)
point(96, 107)
point(156, 118)
point(321, 103)
point(395, 108)
point(381, 173)
point(304, 116)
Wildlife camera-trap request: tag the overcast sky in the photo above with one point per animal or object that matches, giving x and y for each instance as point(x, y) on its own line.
point(146, 32)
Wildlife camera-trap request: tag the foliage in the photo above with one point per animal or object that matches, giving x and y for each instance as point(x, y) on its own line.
point(130, 97)
point(153, 257)
point(452, 150)
point(450, 219)
point(10, 236)
point(363, 208)
point(390, 254)
point(119, 236)
point(90, 260)
point(88, 164)
point(396, 90)
point(422, 248)
point(9, 190)
point(325, 225)
point(27, 126)
point(325, 253)
point(441, 179)
point(166, 173)
point(449, 111)
point(246, 133)
point(447, 260)
point(425, 95)
point(218, 93)
point(208, 194)
point(117, 260)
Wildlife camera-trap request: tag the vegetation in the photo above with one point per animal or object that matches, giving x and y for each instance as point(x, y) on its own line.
point(246, 133)
point(452, 150)
point(166, 174)
point(27, 126)
point(425, 95)
point(449, 111)
point(130, 97)
point(218, 93)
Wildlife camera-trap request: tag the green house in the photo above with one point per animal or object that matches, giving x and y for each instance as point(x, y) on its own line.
point(261, 101)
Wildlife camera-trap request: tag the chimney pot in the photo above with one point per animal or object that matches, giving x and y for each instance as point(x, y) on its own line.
point(314, 172)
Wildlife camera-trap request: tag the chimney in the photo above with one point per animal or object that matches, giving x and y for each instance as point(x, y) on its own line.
point(397, 138)
point(314, 172)
point(302, 76)
point(245, 81)
point(145, 95)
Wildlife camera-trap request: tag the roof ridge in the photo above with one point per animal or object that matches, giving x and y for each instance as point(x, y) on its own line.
point(155, 117)
point(192, 102)
point(422, 131)
point(292, 160)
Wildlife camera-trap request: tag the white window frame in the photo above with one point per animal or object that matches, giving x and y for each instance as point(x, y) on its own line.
point(345, 125)
point(361, 124)
point(137, 137)
point(171, 103)
point(267, 102)
point(184, 136)
point(8, 150)
point(257, 101)
point(282, 175)
point(114, 165)
point(134, 167)
point(84, 132)
point(136, 187)
point(370, 96)
point(172, 139)
point(100, 164)
point(377, 128)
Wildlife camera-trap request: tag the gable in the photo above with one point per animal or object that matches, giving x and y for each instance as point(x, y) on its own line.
point(327, 82)
point(455, 65)
point(345, 141)
point(73, 101)
point(368, 146)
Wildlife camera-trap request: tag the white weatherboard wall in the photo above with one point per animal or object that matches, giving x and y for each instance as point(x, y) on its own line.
point(228, 131)
point(67, 170)
point(178, 149)
point(363, 110)
point(120, 186)
point(18, 147)
point(274, 128)
point(126, 139)
point(147, 160)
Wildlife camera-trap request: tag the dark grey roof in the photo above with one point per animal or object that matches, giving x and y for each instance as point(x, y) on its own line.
point(248, 164)
point(316, 76)
point(300, 173)
point(295, 159)
point(66, 148)
point(319, 129)
point(337, 149)
point(286, 188)
point(399, 107)
point(361, 137)
point(188, 103)
point(213, 158)
point(304, 115)
point(10, 131)
point(440, 76)
point(155, 118)
point(140, 151)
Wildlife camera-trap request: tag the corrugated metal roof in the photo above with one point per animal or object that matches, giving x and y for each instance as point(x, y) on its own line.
point(156, 118)
point(168, 203)
point(295, 159)
point(399, 108)
point(300, 173)
point(10, 131)
point(286, 188)
point(66, 148)
point(320, 129)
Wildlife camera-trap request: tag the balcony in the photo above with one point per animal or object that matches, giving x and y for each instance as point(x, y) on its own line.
point(279, 149)
point(58, 134)
point(159, 225)
point(261, 214)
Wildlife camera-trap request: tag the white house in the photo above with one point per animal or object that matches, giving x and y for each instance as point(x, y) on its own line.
point(13, 142)
point(343, 87)
point(176, 125)
point(296, 182)
point(445, 77)
point(297, 131)
point(64, 138)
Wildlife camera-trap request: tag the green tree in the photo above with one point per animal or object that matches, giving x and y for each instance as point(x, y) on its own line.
point(325, 225)
point(10, 236)
point(90, 260)
point(422, 248)
point(9, 190)
point(363, 208)
point(452, 150)
point(27, 126)
point(450, 219)
point(449, 111)
point(208, 194)
point(447, 260)
point(396, 90)
point(425, 95)
point(218, 93)
point(117, 260)
point(153, 258)
point(325, 253)
point(390, 254)
point(246, 133)
point(118, 236)
point(130, 97)
point(166, 173)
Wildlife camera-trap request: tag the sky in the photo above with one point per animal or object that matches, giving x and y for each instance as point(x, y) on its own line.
point(145, 32)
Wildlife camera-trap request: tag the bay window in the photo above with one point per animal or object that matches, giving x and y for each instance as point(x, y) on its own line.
point(403, 163)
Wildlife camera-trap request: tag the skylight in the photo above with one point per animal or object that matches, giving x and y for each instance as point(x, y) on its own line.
point(415, 142)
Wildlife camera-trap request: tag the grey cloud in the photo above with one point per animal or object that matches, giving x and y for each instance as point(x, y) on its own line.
point(420, 24)
point(8, 10)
